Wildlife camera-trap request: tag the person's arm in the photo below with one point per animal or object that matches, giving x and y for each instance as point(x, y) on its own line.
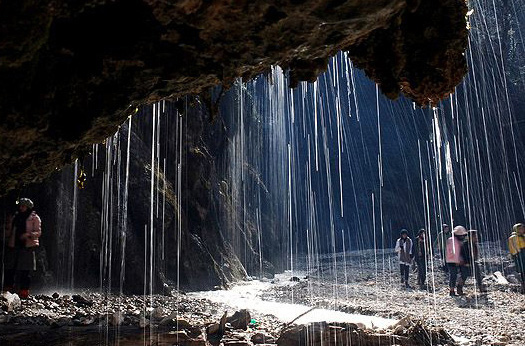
point(464, 252)
point(36, 232)
point(398, 246)
point(512, 246)
point(449, 249)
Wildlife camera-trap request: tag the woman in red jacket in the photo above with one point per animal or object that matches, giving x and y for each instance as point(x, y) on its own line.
point(22, 241)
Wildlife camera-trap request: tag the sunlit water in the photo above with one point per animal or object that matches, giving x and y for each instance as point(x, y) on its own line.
point(248, 296)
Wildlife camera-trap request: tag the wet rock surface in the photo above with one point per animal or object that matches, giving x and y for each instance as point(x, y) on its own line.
point(71, 73)
point(323, 333)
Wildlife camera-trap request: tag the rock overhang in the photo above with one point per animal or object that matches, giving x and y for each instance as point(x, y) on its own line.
point(72, 72)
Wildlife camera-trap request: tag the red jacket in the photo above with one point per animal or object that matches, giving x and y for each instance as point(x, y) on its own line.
point(453, 254)
point(32, 233)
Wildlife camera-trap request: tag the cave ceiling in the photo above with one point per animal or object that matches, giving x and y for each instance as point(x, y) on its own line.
point(72, 71)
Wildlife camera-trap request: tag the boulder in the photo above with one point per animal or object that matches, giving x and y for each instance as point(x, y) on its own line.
point(240, 319)
point(12, 301)
point(343, 334)
point(262, 338)
point(500, 279)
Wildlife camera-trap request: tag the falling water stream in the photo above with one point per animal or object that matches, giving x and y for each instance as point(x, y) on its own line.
point(317, 180)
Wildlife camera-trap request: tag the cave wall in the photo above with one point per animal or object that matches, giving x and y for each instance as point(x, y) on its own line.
point(109, 237)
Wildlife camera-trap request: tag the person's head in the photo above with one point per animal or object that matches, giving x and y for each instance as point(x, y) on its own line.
point(404, 233)
point(473, 235)
point(460, 232)
point(519, 228)
point(445, 228)
point(25, 204)
point(421, 233)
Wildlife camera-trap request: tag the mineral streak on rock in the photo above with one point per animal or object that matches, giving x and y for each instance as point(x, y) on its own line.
point(71, 72)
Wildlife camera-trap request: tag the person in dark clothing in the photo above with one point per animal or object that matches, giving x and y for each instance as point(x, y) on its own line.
point(23, 236)
point(441, 242)
point(404, 250)
point(471, 256)
point(421, 251)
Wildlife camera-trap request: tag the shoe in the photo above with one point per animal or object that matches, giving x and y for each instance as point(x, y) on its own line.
point(460, 291)
point(23, 294)
point(452, 293)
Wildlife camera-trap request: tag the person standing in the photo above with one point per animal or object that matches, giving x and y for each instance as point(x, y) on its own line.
point(471, 255)
point(421, 252)
point(441, 242)
point(23, 238)
point(517, 251)
point(404, 251)
point(455, 261)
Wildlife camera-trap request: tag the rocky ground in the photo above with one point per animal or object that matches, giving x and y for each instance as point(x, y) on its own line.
point(426, 317)
point(493, 318)
point(94, 318)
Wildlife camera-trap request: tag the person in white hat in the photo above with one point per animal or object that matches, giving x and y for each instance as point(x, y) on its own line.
point(455, 261)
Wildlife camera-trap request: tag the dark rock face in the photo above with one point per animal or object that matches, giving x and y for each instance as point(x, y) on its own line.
point(71, 72)
point(187, 246)
point(418, 55)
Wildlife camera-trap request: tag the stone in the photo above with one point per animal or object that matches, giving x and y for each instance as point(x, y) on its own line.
point(500, 279)
point(115, 319)
point(172, 321)
point(157, 313)
point(180, 338)
point(236, 343)
point(512, 279)
point(262, 338)
point(61, 322)
point(84, 320)
point(404, 322)
point(12, 301)
point(323, 333)
point(55, 295)
point(240, 319)
point(213, 328)
point(82, 301)
point(143, 322)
